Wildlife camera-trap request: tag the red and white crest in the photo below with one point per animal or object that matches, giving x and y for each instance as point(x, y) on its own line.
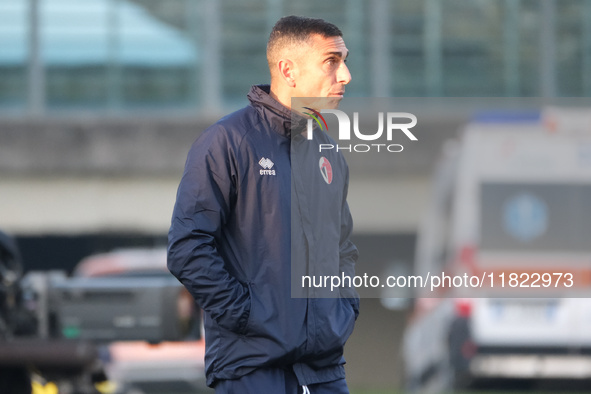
point(325, 169)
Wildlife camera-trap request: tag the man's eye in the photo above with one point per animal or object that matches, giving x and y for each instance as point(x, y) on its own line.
point(331, 61)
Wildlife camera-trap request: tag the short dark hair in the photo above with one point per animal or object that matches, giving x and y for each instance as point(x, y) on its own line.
point(293, 30)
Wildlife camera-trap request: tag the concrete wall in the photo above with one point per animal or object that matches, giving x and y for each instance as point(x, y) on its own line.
point(96, 146)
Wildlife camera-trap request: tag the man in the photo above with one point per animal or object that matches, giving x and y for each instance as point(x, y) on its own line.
point(241, 219)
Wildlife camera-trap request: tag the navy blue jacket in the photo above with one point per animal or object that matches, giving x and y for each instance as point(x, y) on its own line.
point(244, 224)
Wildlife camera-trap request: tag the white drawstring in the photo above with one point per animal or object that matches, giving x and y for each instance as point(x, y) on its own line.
point(306, 390)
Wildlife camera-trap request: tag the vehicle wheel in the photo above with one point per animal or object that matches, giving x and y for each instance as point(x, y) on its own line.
point(460, 355)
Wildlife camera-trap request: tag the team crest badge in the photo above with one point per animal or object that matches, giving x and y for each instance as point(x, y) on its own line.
point(325, 169)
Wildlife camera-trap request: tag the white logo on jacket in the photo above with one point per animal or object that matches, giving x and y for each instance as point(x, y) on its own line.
point(267, 165)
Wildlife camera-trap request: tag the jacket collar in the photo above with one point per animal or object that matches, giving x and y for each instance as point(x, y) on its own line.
point(279, 117)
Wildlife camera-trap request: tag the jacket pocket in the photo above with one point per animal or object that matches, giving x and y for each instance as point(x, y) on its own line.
point(276, 318)
point(335, 321)
point(350, 321)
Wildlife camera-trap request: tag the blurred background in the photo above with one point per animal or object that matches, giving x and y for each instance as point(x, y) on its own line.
point(101, 99)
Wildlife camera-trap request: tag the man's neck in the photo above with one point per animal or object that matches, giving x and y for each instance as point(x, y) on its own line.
point(280, 97)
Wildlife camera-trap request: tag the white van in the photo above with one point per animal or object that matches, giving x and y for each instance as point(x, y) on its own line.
point(511, 200)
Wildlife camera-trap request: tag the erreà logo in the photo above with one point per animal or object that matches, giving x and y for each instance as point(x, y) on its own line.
point(267, 165)
point(393, 124)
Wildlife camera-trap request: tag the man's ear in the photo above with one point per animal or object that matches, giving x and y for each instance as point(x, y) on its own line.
point(287, 71)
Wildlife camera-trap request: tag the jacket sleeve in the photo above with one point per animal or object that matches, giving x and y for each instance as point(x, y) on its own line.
point(203, 204)
point(348, 253)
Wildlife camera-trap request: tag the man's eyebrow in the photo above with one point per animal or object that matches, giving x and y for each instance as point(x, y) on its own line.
point(337, 53)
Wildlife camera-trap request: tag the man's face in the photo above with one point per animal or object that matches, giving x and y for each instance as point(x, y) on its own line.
point(322, 71)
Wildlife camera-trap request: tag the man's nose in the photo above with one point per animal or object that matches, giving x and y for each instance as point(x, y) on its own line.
point(343, 75)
